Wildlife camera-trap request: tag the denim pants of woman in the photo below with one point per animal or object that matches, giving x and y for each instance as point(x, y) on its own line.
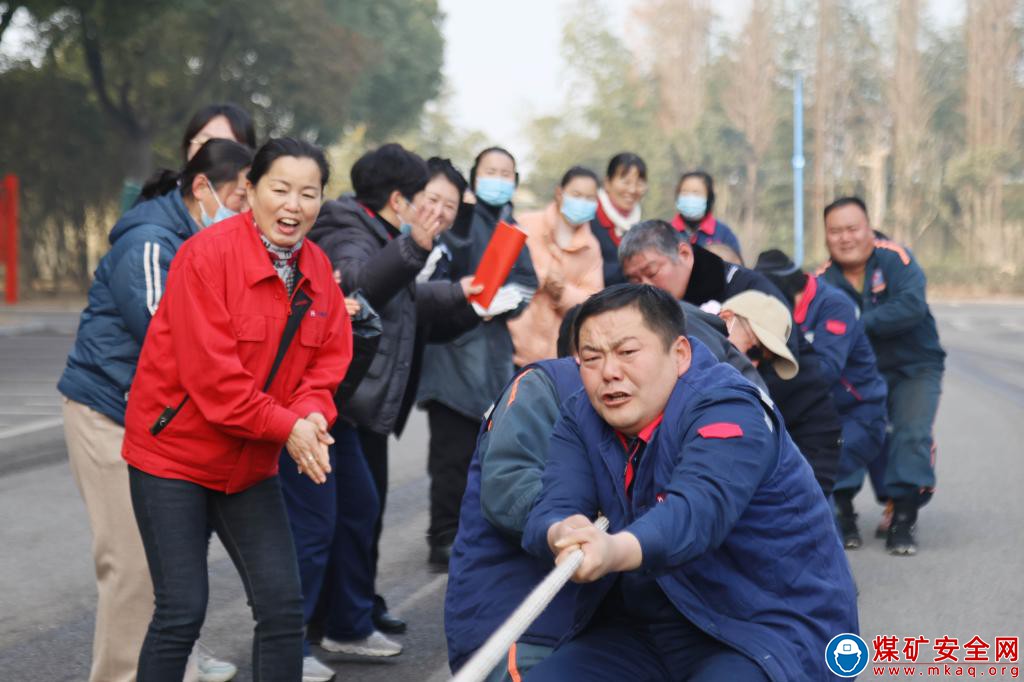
point(173, 517)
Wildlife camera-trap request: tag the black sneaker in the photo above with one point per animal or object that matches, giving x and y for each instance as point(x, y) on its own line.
point(384, 620)
point(846, 519)
point(899, 540)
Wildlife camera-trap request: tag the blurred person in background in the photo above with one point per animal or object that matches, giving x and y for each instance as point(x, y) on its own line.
point(567, 260)
point(888, 286)
point(830, 322)
point(759, 326)
point(695, 203)
point(624, 187)
point(379, 240)
point(127, 288)
point(461, 378)
point(212, 122)
point(242, 358)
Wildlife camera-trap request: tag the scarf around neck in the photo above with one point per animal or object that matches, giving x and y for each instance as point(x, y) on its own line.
point(622, 223)
point(284, 261)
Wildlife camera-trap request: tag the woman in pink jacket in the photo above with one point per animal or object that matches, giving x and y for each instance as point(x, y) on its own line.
point(567, 258)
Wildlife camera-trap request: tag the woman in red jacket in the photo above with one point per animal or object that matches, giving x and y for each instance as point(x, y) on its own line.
point(242, 357)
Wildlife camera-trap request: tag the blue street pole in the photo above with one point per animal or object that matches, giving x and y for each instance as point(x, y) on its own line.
point(798, 168)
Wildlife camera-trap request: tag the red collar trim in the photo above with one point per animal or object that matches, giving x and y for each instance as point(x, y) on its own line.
point(369, 211)
point(607, 224)
point(646, 433)
point(707, 226)
point(810, 290)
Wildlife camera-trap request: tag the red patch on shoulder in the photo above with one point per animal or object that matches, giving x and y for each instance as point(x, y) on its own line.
point(837, 327)
point(720, 430)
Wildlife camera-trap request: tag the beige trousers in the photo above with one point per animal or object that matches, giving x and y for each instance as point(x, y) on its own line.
point(125, 604)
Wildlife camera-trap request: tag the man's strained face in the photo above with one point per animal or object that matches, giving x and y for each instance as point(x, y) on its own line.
point(626, 370)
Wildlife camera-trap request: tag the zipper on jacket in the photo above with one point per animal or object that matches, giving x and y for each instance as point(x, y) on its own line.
point(166, 416)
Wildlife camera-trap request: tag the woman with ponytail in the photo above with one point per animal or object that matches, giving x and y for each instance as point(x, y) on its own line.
point(124, 296)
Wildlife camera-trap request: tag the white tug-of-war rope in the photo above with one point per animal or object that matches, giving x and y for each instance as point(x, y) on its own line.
point(497, 646)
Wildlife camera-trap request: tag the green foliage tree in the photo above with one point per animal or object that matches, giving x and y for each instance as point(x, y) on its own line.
point(138, 70)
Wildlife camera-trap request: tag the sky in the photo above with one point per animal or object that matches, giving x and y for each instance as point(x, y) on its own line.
point(503, 63)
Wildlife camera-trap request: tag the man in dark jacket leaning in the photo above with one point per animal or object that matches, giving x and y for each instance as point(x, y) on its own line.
point(378, 240)
point(720, 561)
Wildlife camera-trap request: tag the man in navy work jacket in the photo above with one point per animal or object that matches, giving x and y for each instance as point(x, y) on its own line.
point(490, 574)
point(888, 286)
point(720, 562)
point(831, 323)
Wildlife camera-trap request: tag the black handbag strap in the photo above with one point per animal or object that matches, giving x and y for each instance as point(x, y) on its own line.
point(300, 304)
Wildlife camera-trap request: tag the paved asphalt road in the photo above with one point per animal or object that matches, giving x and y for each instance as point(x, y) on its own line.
point(964, 582)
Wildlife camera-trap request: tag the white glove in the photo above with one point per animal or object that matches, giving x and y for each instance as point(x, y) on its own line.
point(505, 300)
point(713, 307)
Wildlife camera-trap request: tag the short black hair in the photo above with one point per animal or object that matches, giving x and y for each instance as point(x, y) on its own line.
point(384, 170)
point(649, 234)
point(438, 167)
point(480, 157)
point(845, 201)
point(238, 118)
point(709, 185)
point(623, 162)
point(578, 172)
point(661, 313)
point(566, 332)
point(276, 147)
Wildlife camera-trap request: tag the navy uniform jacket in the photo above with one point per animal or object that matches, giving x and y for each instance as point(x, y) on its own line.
point(489, 573)
point(732, 525)
point(893, 308)
point(830, 322)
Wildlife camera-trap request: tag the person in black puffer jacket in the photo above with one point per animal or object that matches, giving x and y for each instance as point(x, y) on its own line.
point(378, 240)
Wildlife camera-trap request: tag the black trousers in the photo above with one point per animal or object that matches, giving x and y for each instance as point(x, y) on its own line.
point(452, 442)
point(375, 450)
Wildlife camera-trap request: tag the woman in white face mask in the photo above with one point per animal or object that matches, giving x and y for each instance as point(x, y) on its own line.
point(567, 259)
point(695, 200)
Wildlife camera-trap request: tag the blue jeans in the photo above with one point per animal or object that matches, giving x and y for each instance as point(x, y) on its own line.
point(333, 527)
point(173, 517)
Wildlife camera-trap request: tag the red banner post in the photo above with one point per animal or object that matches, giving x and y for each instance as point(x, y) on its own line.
point(9, 236)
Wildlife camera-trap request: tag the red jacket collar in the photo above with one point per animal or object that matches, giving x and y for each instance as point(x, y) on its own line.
point(706, 225)
point(646, 433)
point(810, 290)
point(607, 223)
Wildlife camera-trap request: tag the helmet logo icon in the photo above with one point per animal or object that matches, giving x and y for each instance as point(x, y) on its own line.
point(846, 655)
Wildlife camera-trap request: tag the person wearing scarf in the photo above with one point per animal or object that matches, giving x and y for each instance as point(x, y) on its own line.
point(618, 209)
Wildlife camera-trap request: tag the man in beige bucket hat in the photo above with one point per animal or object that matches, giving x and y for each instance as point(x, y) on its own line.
point(760, 325)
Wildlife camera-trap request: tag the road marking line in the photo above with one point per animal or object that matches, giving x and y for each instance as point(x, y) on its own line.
point(31, 427)
point(422, 592)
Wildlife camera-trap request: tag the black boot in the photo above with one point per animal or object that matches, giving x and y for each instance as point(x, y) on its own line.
point(846, 519)
point(900, 539)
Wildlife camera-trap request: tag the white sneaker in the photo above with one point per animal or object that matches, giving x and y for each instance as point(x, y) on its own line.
point(376, 646)
point(315, 671)
point(211, 669)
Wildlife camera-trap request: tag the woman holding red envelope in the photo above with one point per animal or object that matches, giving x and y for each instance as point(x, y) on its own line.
point(460, 379)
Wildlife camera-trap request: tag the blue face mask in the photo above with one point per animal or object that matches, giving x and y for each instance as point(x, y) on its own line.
point(578, 211)
point(495, 191)
point(222, 213)
point(692, 206)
